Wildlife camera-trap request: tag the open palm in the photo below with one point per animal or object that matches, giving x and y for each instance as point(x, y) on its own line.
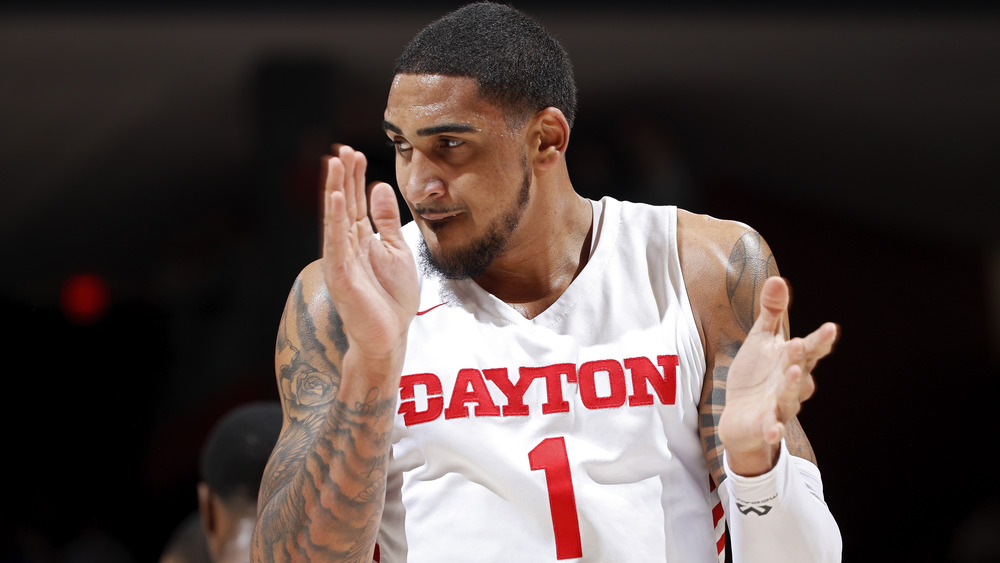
point(371, 277)
point(770, 377)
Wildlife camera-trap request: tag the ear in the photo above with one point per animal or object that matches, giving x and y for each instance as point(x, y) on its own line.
point(549, 136)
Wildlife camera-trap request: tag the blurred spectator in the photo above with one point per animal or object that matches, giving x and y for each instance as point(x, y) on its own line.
point(231, 465)
point(187, 544)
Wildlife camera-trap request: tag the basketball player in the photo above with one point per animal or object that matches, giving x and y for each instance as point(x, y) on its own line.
point(523, 374)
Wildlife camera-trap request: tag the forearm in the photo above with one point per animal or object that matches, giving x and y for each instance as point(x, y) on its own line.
point(781, 515)
point(324, 501)
point(321, 494)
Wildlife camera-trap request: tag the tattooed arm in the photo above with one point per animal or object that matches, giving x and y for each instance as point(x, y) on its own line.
point(755, 383)
point(338, 359)
point(725, 265)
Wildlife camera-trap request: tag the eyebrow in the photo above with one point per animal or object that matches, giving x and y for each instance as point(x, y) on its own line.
point(433, 130)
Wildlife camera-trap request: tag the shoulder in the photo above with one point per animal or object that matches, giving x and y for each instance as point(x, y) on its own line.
point(308, 294)
point(698, 233)
point(311, 281)
point(706, 244)
point(720, 259)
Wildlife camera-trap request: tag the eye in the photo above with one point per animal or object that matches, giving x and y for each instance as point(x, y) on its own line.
point(400, 145)
point(451, 143)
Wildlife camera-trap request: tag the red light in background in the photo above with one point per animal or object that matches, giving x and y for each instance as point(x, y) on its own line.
point(84, 298)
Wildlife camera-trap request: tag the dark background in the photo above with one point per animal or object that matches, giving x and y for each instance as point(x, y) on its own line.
point(172, 151)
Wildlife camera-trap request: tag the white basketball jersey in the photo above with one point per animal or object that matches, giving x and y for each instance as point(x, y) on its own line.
point(572, 436)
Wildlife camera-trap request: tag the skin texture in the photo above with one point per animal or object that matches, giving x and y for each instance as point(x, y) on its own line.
point(461, 167)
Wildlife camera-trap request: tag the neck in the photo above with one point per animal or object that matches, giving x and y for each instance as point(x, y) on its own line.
point(548, 255)
point(237, 545)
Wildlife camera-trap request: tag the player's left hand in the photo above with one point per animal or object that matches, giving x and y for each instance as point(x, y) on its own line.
point(767, 383)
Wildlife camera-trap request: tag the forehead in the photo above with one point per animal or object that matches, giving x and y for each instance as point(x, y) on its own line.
point(423, 100)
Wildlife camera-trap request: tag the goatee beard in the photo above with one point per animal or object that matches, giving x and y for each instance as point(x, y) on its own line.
point(471, 261)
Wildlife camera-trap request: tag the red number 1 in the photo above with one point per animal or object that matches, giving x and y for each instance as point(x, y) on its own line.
point(550, 455)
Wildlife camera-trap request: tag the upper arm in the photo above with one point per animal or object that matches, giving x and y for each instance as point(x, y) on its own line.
point(724, 265)
point(308, 354)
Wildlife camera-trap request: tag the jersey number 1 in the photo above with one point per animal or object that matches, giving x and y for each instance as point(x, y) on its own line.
point(550, 456)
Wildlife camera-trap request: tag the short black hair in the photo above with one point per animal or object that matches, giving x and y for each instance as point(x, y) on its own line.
point(521, 68)
point(236, 450)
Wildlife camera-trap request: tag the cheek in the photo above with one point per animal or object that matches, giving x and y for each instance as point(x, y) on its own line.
point(400, 171)
point(402, 178)
point(501, 172)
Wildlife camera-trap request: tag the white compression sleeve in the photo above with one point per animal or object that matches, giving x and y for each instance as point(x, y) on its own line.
point(780, 516)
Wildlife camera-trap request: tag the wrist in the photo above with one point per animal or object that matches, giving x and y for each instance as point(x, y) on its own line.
point(751, 463)
point(371, 369)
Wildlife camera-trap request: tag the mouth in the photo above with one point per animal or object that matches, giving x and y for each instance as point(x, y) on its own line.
point(434, 216)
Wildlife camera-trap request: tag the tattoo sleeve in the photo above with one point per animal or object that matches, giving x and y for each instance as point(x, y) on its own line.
point(711, 411)
point(323, 489)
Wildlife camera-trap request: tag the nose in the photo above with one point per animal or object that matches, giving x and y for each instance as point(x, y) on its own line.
point(420, 178)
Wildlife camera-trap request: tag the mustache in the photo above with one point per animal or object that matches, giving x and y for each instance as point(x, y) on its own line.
point(432, 210)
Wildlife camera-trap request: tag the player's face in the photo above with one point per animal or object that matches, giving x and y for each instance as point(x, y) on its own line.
point(461, 169)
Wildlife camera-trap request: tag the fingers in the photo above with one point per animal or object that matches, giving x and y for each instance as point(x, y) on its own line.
point(345, 202)
point(773, 423)
point(333, 178)
point(358, 184)
point(774, 298)
point(773, 432)
point(347, 157)
point(336, 226)
point(346, 173)
point(773, 427)
point(819, 343)
point(385, 213)
point(797, 384)
point(334, 216)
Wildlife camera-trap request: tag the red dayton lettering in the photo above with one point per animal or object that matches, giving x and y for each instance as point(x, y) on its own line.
point(471, 388)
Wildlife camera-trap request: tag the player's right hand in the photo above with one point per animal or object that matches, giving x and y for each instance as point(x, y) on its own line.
point(372, 279)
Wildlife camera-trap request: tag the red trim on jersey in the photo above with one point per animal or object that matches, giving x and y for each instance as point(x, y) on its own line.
point(718, 513)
